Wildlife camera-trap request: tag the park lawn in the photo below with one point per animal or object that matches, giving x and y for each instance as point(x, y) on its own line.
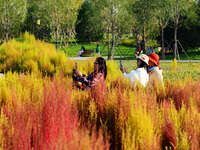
point(124, 52)
point(73, 49)
point(191, 55)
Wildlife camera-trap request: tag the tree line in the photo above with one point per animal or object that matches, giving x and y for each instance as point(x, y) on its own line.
point(93, 20)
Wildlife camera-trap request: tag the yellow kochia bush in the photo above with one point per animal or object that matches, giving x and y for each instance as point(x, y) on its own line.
point(33, 55)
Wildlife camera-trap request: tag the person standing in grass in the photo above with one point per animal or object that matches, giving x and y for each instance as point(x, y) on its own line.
point(98, 49)
point(97, 76)
point(140, 74)
point(138, 49)
point(154, 71)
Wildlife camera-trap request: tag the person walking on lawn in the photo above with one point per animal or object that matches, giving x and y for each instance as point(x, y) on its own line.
point(154, 71)
point(140, 74)
point(99, 74)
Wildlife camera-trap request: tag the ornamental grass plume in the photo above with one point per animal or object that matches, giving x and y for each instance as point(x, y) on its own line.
point(180, 93)
point(168, 140)
point(17, 131)
point(174, 66)
point(58, 118)
point(196, 93)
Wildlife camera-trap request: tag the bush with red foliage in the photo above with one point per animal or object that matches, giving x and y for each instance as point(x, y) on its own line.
point(58, 119)
point(52, 125)
point(168, 140)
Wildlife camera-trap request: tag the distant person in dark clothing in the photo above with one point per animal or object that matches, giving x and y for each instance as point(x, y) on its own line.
point(142, 46)
point(98, 49)
point(81, 51)
point(150, 50)
point(138, 49)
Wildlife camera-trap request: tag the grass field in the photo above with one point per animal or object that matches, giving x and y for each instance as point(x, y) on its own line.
point(126, 52)
point(73, 49)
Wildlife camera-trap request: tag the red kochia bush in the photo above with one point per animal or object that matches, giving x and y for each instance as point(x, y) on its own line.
point(48, 126)
point(179, 93)
point(168, 136)
point(17, 132)
point(58, 119)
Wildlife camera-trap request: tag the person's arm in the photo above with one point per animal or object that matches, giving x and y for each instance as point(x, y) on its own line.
point(129, 75)
point(122, 69)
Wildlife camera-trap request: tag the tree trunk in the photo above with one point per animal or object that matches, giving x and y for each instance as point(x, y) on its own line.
point(56, 38)
point(144, 42)
point(137, 41)
point(113, 41)
point(6, 33)
point(6, 37)
point(163, 44)
point(68, 38)
point(6, 26)
point(175, 41)
point(108, 37)
point(113, 34)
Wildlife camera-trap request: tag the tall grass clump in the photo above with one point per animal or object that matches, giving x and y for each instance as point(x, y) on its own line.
point(50, 124)
point(140, 131)
point(168, 136)
point(31, 55)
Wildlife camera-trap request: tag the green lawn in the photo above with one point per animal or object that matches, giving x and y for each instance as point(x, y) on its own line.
point(124, 52)
point(193, 55)
point(73, 49)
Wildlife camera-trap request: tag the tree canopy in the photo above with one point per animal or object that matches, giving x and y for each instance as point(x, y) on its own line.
point(93, 20)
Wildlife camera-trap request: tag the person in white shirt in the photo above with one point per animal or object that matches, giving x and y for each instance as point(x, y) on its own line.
point(140, 74)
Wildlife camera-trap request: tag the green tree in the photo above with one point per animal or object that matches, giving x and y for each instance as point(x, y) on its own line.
point(37, 21)
point(179, 8)
point(163, 16)
point(12, 15)
point(115, 20)
point(62, 16)
point(143, 12)
point(89, 26)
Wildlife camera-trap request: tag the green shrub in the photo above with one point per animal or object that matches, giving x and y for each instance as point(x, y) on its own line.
point(152, 43)
point(128, 42)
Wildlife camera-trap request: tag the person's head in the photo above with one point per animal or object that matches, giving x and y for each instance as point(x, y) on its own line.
point(153, 59)
point(142, 61)
point(100, 66)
